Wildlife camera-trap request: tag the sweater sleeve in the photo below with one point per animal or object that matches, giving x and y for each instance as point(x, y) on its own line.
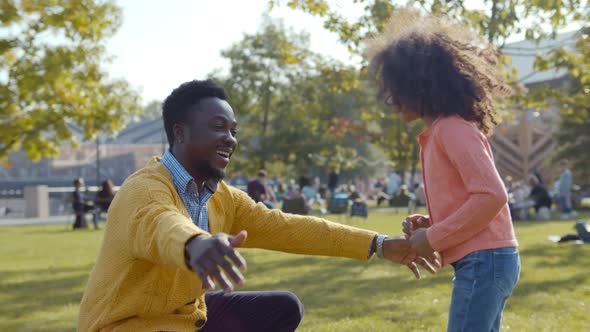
point(469, 152)
point(272, 229)
point(158, 230)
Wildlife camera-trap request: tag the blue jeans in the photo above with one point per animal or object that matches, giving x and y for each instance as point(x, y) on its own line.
point(565, 202)
point(483, 282)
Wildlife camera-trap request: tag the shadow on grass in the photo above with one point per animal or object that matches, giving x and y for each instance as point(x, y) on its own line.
point(47, 289)
point(66, 229)
point(53, 326)
point(343, 283)
point(562, 287)
point(42, 272)
point(526, 288)
point(559, 265)
point(53, 231)
point(536, 223)
point(554, 255)
point(555, 218)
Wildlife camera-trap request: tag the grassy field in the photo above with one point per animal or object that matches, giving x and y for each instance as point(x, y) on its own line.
point(43, 270)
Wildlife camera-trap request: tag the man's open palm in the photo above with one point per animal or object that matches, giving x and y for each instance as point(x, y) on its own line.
point(212, 258)
point(398, 250)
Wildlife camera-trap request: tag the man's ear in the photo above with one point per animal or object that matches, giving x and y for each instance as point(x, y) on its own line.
point(178, 131)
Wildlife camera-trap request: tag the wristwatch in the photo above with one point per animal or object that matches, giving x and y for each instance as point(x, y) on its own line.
point(379, 245)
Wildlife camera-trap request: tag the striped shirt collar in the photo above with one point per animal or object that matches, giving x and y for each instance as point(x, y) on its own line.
point(180, 176)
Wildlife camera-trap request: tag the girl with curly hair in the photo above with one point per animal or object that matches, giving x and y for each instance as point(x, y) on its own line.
point(430, 69)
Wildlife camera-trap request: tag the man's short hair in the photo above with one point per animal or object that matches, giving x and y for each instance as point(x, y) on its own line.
point(262, 173)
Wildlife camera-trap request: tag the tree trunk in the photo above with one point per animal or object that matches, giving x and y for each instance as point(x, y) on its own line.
point(265, 114)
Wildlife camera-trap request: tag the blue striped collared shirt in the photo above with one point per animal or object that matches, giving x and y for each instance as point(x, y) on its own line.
point(195, 204)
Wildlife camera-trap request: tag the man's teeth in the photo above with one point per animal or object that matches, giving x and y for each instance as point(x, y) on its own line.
point(223, 153)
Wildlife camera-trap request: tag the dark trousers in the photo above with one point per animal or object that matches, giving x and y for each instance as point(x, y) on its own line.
point(80, 221)
point(583, 234)
point(252, 311)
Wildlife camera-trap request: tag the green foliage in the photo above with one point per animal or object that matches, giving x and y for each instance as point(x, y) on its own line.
point(497, 20)
point(574, 135)
point(51, 53)
point(291, 105)
point(43, 271)
point(152, 111)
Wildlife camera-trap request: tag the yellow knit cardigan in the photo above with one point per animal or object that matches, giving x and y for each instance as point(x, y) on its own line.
point(140, 281)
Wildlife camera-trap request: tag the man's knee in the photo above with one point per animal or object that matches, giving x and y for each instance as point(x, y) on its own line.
point(291, 305)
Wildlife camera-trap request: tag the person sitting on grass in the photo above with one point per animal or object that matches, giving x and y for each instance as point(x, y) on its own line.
point(582, 234)
point(104, 197)
point(541, 198)
point(174, 225)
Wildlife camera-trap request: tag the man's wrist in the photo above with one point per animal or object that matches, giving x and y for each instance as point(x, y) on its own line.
point(377, 245)
point(372, 247)
point(187, 251)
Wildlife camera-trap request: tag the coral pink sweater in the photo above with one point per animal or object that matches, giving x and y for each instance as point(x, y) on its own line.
point(466, 198)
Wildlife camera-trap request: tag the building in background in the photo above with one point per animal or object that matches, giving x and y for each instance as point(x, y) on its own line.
point(524, 144)
point(108, 158)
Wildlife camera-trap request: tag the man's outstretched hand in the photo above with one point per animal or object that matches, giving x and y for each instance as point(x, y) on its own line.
point(213, 259)
point(399, 250)
point(419, 243)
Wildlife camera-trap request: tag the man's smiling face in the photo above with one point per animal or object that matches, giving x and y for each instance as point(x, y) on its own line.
point(208, 138)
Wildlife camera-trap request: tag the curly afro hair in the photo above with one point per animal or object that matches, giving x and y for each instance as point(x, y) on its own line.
point(436, 68)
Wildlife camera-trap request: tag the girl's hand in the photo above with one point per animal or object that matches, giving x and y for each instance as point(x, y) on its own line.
point(414, 222)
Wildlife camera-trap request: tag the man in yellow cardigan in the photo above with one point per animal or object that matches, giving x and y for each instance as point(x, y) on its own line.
point(173, 226)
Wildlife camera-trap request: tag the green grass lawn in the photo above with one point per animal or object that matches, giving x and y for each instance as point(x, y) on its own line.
point(43, 270)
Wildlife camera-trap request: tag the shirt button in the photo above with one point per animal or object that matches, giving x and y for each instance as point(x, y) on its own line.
point(200, 323)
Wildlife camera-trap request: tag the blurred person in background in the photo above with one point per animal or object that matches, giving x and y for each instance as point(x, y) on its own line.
point(540, 197)
point(564, 190)
point(80, 204)
point(105, 195)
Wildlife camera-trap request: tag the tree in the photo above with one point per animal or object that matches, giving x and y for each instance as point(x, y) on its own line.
point(383, 128)
point(260, 65)
point(288, 103)
point(497, 20)
point(51, 77)
point(574, 141)
point(152, 111)
point(574, 133)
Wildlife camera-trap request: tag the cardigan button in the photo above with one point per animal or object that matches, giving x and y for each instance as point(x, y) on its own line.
point(200, 323)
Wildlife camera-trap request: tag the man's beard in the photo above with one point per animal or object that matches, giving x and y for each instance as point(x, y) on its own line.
point(209, 172)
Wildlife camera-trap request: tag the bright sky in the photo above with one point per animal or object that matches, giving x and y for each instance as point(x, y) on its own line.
point(162, 44)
